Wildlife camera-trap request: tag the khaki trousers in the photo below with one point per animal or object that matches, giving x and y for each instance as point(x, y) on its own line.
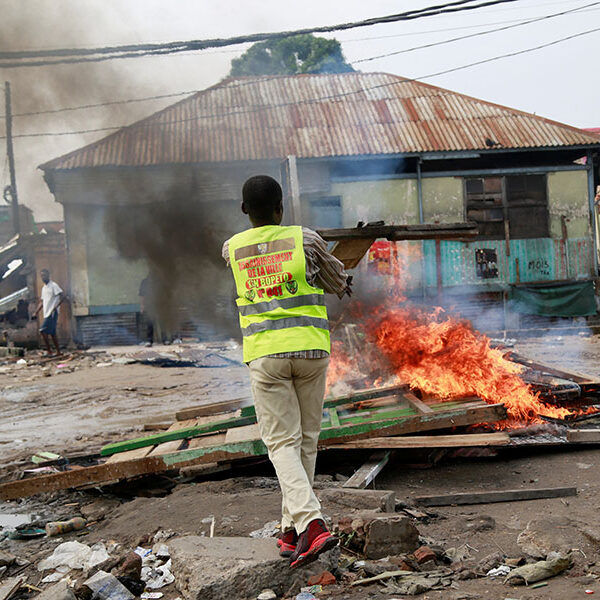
point(288, 398)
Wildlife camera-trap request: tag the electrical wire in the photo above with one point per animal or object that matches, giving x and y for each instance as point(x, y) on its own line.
point(473, 35)
point(336, 96)
point(136, 50)
point(433, 44)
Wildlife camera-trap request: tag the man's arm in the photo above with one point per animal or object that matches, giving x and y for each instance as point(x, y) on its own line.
point(322, 268)
point(37, 310)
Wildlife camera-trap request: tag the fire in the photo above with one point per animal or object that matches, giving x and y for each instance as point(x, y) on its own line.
point(435, 353)
point(446, 358)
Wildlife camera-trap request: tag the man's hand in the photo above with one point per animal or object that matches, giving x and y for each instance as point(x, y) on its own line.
point(349, 285)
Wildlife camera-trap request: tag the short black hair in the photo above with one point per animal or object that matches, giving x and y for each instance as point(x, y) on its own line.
point(261, 195)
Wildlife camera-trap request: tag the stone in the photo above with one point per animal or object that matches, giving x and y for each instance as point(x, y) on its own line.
point(424, 554)
point(386, 536)
point(475, 523)
point(384, 500)
point(6, 559)
point(491, 561)
point(267, 595)
point(58, 591)
point(542, 536)
point(131, 566)
point(323, 579)
point(222, 568)
point(539, 571)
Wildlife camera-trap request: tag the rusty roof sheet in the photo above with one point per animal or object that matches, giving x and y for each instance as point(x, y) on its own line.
point(257, 118)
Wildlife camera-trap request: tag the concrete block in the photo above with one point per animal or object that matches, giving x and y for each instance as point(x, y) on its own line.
point(387, 536)
point(384, 500)
point(240, 568)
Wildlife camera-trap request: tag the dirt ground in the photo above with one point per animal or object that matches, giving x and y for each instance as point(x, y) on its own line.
point(100, 401)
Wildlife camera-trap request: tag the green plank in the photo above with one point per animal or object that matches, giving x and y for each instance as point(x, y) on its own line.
point(358, 396)
point(179, 434)
point(334, 418)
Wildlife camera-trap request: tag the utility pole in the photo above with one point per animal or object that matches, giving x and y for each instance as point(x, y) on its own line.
point(11, 160)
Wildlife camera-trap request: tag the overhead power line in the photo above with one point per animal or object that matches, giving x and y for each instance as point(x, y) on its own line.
point(253, 82)
point(336, 96)
point(76, 55)
point(479, 33)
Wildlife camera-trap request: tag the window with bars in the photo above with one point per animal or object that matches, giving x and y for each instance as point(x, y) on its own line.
point(521, 200)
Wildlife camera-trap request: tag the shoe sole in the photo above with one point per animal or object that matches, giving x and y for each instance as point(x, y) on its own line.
point(312, 555)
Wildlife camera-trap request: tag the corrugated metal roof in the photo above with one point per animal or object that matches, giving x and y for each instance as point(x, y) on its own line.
point(254, 118)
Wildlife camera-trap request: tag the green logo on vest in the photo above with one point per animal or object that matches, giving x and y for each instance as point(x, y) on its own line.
point(250, 295)
point(292, 286)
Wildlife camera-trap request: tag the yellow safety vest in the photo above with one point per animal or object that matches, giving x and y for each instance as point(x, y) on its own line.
point(279, 310)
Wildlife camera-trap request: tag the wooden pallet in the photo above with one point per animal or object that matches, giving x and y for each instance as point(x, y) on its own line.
point(225, 438)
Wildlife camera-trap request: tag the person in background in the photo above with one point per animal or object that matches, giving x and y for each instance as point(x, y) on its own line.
point(281, 274)
point(148, 307)
point(51, 298)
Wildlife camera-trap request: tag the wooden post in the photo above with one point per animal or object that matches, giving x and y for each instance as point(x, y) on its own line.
point(291, 186)
point(11, 159)
point(438, 265)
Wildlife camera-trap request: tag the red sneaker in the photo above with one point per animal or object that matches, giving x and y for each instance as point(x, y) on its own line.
point(315, 540)
point(286, 542)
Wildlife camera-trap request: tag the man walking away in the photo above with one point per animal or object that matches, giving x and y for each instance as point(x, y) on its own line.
point(281, 274)
point(52, 297)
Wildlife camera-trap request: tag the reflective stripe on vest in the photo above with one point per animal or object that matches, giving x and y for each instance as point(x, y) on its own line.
point(279, 310)
point(262, 307)
point(285, 323)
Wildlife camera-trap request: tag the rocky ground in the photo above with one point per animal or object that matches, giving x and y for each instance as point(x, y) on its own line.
point(94, 398)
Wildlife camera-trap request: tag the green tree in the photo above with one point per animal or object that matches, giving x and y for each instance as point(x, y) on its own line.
point(290, 56)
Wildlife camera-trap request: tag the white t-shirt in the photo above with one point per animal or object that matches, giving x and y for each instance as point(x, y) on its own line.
point(50, 298)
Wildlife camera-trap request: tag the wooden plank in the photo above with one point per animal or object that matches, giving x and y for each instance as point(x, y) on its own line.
point(159, 450)
point(242, 434)
point(180, 434)
point(351, 251)
point(489, 413)
point(544, 368)
point(423, 231)
point(213, 409)
point(334, 418)
point(495, 496)
point(430, 441)
point(177, 425)
point(589, 436)
point(368, 471)
point(125, 469)
point(417, 404)
point(229, 452)
point(206, 441)
point(129, 455)
point(10, 586)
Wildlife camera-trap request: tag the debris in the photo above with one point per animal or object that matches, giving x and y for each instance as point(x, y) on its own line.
point(60, 591)
point(105, 586)
point(305, 596)
point(424, 554)
point(27, 533)
point(376, 535)
point(131, 566)
point(500, 571)
point(59, 527)
point(267, 595)
point(323, 579)
point(538, 571)
point(384, 500)
point(491, 561)
point(10, 586)
point(6, 559)
point(495, 496)
point(270, 529)
point(151, 595)
point(75, 555)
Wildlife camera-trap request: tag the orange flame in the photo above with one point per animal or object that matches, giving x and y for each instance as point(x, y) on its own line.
point(439, 355)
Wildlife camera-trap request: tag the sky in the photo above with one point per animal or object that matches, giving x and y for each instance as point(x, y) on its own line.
point(558, 82)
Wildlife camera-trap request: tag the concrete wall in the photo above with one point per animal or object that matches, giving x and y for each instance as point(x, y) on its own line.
point(568, 197)
point(393, 201)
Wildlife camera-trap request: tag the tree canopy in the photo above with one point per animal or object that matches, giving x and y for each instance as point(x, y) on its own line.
point(290, 56)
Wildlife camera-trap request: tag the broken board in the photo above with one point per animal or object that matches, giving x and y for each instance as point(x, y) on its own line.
point(338, 427)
